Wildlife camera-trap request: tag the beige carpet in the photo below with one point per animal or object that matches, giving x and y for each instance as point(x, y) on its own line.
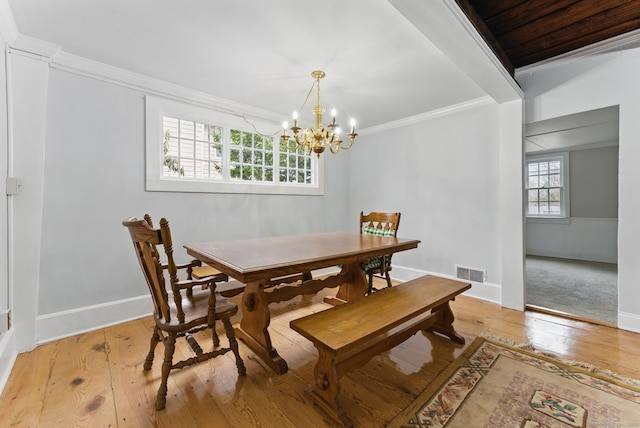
point(496, 385)
point(577, 287)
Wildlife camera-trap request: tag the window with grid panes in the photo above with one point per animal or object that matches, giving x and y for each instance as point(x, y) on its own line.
point(546, 186)
point(193, 149)
point(295, 164)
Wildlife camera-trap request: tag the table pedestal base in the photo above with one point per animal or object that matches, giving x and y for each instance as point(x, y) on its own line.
point(256, 317)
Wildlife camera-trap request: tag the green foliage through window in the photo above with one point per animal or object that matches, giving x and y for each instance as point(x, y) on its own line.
point(195, 150)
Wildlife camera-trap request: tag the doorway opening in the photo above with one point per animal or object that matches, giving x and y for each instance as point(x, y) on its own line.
point(571, 206)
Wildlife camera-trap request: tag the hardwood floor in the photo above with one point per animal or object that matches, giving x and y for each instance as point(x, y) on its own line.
point(96, 378)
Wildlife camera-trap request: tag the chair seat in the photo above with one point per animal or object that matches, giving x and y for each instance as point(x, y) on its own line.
point(204, 271)
point(196, 309)
point(376, 264)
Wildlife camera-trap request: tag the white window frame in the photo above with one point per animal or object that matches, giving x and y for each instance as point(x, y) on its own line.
point(563, 157)
point(157, 108)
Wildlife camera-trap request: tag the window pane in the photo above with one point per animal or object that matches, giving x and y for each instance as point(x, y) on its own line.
point(216, 134)
point(544, 181)
point(215, 170)
point(543, 168)
point(258, 142)
point(202, 150)
point(201, 132)
point(533, 168)
point(554, 167)
point(554, 195)
point(533, 182)
point(543, 208)
point(247, 139)
point(554, 180)
point(188, 165)
point(246, 172)
point(533, 208)
point(235, 137)
point(533, 195)
point(234, 171)
point(544, 195)
point(554, 208)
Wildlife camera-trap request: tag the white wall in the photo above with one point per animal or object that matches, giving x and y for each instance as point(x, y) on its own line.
point(582, 238)
point(591, 233)
point(94, 178)
point(442, 174)
point(587, 83)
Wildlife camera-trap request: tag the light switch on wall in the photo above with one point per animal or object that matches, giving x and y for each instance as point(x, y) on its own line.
point(13, 185)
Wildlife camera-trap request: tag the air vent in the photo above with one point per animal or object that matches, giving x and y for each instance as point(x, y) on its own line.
point(471, 274)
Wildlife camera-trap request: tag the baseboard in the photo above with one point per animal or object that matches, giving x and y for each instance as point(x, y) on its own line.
point(58, 325)
point(627, 321)
point(483, 291)
point(63, 324)
point(8, 355)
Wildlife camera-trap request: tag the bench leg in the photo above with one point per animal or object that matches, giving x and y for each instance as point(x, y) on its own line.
point(326, 388)
point(444, 325)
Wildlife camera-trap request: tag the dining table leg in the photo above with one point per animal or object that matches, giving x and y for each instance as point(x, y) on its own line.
point(253, 329)
point(354, 288)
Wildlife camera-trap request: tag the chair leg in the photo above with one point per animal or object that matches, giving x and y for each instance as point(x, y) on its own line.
point(233, 344)
point(169, 348)
point(214, 335)
point(155, 338)
point(370, 290)
point(386, 273)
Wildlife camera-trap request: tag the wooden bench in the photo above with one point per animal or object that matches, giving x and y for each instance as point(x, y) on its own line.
point(349, 335)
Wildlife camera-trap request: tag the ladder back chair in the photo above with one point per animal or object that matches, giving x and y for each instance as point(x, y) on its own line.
point(188, 307)
point(380, 224)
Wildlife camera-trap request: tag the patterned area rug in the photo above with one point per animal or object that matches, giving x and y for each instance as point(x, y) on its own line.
point(496, 385)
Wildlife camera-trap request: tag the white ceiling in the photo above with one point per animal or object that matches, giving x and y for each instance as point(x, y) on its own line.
point(379, 67)
point(580, 130)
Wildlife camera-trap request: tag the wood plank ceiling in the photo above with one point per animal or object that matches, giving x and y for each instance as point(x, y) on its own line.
point(523, 32)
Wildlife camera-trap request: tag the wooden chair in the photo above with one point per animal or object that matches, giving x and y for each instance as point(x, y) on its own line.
point(381, 224)
point(184, 311)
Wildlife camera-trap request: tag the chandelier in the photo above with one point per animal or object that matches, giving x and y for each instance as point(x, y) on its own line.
point(315, 139)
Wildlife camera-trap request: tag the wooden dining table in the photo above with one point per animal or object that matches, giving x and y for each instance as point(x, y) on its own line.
point(277, 269)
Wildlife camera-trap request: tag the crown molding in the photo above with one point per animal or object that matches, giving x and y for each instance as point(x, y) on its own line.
point(429, 115)
point(152, 86)
point(32, 46)
point(623, 41)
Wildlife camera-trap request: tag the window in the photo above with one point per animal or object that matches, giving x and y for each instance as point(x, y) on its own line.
point(192, 149)
point(547, 186)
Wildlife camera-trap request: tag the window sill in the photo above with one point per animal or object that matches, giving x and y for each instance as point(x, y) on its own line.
point(549, 220)
point(168, 185)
